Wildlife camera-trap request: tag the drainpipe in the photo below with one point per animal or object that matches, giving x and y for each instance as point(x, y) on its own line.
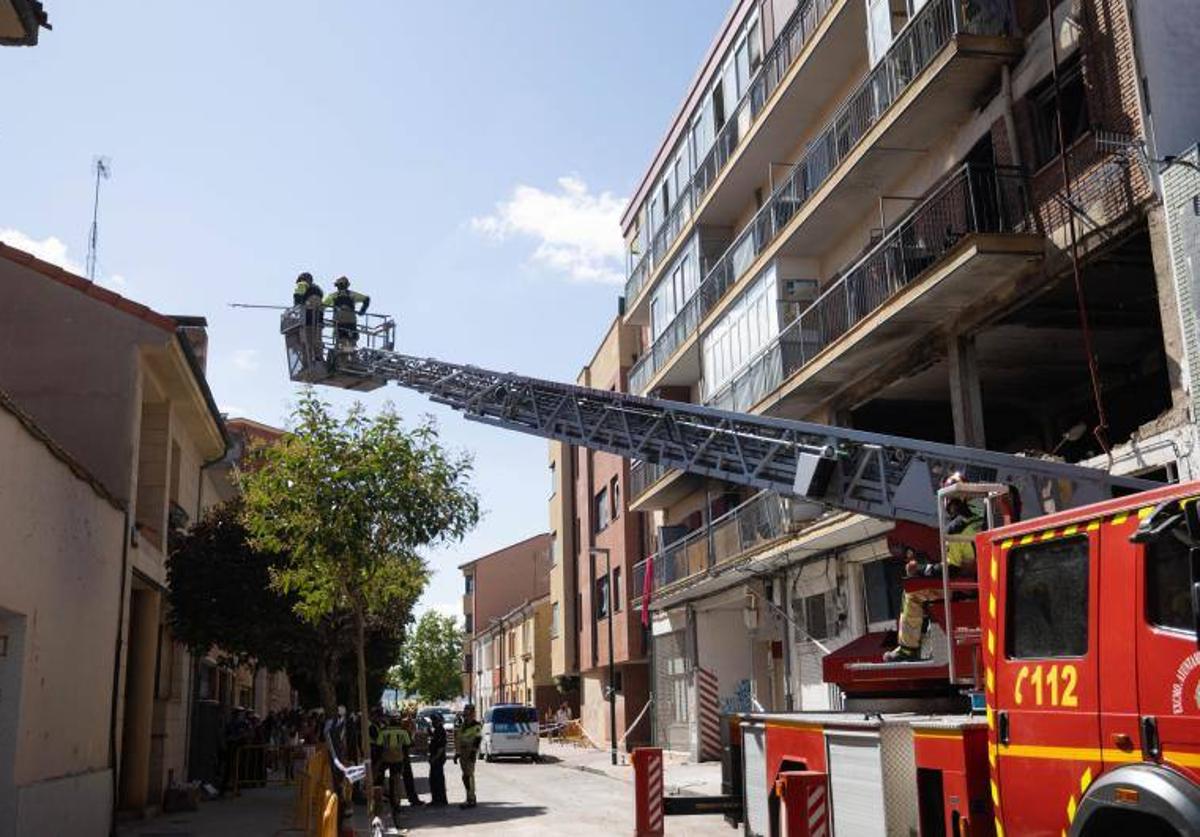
point(788, 697)
point(126, 534)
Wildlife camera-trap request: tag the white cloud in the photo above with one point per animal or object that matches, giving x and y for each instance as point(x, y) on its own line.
point(52, 249)
point(578, 233)
point(246, 360)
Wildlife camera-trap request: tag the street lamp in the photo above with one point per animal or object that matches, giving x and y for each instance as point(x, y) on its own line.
point(612, 676)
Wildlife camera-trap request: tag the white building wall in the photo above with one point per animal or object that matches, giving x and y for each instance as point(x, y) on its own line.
point(60, 558)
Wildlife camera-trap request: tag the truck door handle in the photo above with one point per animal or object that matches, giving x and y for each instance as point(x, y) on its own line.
point(1002, 730)
point(1151, 745)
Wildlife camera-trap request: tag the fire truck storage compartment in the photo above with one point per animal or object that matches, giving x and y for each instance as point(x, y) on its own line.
point(873, 780)
point(757, 787)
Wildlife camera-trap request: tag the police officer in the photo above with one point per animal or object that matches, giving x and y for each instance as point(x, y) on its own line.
point(406, 742)
point(437, 760)
point(391, 756)
point(342, 301)
point(466, 748)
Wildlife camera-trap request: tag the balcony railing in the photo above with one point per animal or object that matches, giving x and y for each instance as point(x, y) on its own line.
point(913, 50)
point(761, 519)
point(643, 475)
point(778, 59)
point(973, 199)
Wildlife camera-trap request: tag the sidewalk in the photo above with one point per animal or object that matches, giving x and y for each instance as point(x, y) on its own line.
point(682, 777)
point(259, 811)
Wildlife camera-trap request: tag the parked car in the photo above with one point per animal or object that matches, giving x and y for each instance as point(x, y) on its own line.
point(510, 730)
point(423, 727)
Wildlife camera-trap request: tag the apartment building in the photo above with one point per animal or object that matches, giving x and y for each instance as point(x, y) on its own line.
point(494, 585)
point(598, 543)
point(862, 215)
point(121, 389)
point(516, 647)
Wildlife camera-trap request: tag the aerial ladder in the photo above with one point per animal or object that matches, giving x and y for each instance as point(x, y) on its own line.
point(939, 747)
point(874, 474)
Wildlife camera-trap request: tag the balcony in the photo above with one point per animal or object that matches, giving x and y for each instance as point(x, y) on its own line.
point(971, 237)
point(761, 520)
point(805, 22)
point(655, 486)
point(928, 79)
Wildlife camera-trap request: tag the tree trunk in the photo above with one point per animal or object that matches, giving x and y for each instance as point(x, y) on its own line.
point(364, 720)
point(325, 686)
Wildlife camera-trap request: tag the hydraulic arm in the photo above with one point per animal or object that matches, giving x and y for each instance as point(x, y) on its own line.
point(882, 476)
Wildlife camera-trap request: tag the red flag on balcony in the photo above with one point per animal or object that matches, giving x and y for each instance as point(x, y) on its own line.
point(647, 589)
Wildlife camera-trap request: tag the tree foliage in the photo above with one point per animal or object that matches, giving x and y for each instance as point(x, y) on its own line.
point(431, 660)
point(352, 502)
point(221, 598)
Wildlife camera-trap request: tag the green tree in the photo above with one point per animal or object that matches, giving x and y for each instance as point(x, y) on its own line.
point(221, 597)
point(351, 503)
point(431, 661)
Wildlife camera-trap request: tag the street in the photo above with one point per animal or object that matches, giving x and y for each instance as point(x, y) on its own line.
point(541, 799)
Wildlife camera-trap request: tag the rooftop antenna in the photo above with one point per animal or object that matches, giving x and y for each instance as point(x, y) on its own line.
point(103, 168)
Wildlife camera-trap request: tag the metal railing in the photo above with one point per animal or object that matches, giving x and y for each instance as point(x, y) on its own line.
point(775, 64)
point(972, 199)
point(761, 519)
point(642, 475)
point(911, 52)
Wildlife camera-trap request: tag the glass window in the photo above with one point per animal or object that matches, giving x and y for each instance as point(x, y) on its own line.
point(470, 583)
point(614, 492)
point(1048, 599)
point(555, 619)
point(616, 581)
point(1076, 119)
point(553, 548)
point(553, 481)
point(601, 510)
point(601, 602)
point(1169, 582)
point(882, 587)
point(816, 623)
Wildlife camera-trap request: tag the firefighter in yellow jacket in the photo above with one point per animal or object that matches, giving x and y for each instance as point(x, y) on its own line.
point(964, 517)
point(466, 749)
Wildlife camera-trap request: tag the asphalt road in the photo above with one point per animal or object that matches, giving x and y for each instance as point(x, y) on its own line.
point(540, 799)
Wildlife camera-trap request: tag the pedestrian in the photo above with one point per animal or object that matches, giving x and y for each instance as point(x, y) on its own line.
point(391, 757)
point(345, 321)
point(466, 750)
point(437, 760)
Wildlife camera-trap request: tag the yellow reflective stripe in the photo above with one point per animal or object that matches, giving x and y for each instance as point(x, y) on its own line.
point(1118, 519)
point(991, 722)
point(1007, 544)
point(1180, 757)
point(995, 569)
point(1026, 539)
point(999, 828)
point(1070, 530)
point(1071, 808)
point(1093, 526)
point(1042, 751)
point(995, 793)
point(1048, 534)
point(938, 733)
point(1144, 512)
point(991, 641)
point(992, 605)
point(1085, 780)
point(991, 680)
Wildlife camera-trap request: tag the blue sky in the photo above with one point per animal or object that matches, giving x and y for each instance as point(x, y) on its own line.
point(464, 163)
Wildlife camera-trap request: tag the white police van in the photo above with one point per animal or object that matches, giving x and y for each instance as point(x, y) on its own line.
point(510, 730)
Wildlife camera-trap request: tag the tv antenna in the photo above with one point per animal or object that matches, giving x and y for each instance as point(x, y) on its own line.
point(103, 169)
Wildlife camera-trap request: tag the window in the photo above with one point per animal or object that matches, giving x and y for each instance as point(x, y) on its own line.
point(555, 619)
point(579, 613)
point(616, 589)
point(469, 581)
point(468, 663)
point(601, 601)
point(554, 556)
point(601, 511)
point(882, 587)
point(816, 622)
point(614, 492)
point(1169, 582)
point(469, 623)
point(1048, 599)
point(553, 478)
point(1076, 119)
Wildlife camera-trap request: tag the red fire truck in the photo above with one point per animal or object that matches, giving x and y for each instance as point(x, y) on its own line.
point(1061, 689)
point(1078, 640)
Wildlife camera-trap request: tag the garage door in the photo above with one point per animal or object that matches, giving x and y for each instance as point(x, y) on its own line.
point(856, 783)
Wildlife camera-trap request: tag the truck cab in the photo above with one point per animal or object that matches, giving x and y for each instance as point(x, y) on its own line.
point(1091, 668)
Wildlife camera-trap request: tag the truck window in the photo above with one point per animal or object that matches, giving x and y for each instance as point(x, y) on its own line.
point(1048, 599)
point(1169, 581)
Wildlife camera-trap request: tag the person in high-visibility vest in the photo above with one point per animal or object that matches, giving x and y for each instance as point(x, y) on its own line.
point(437, 759)
point(466, 750)
point(345, 320)
point(309, 294)
point(393, 739)
point(965, 517)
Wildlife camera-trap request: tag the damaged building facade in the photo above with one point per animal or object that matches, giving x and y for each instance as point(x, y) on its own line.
point(862, 215)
